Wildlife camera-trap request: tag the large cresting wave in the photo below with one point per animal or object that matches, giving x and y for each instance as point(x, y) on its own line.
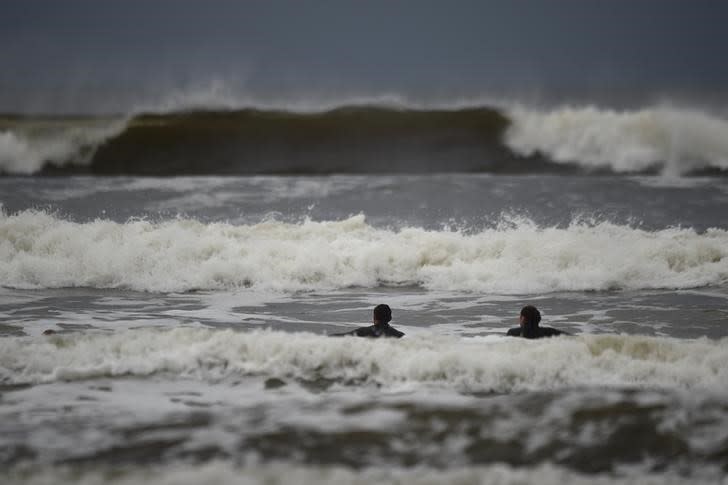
point(370, 139)
point(42, 250)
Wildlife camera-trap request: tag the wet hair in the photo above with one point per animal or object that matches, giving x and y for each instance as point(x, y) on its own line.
point(532, 318)
point(382, 313)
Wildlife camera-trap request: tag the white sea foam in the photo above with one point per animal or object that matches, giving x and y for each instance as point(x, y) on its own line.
point(40, 250)
point(675, 140)
point(224, 472)
point(27, 149)
point(470, 365)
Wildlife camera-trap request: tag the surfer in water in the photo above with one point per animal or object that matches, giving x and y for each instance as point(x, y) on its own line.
point(529, 328)
point(381, 327)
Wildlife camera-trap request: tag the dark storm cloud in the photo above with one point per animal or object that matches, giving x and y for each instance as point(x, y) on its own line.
point(86, 49)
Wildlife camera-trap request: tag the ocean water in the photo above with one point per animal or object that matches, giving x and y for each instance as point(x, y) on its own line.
point(191, 311)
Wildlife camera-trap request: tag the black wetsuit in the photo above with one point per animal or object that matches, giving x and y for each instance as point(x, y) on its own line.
point(374, 331)
point(541, 332)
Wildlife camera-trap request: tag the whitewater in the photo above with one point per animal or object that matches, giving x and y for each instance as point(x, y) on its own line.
point(676, 141)
point(467, 365)
point(40, 250)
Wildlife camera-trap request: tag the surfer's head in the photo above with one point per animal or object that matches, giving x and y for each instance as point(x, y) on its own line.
point(382, 314)
point(530, 318)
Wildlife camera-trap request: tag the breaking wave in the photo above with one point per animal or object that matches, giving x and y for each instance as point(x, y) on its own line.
point(369, 139)
point(41, 250)
point(27, 146)
point(465, 365)
point(674, 141)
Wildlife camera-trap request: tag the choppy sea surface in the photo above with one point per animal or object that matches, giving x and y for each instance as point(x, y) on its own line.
point(191, 314)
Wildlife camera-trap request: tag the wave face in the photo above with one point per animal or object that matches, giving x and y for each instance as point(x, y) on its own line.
point(464, 365)
point(370, 139)
point(40, 250)
point(343, 140)
point(671, 140)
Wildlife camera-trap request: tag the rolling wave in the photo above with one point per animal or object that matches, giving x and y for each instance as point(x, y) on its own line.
point(369, 139)
point(41, 250)
point(464, 365)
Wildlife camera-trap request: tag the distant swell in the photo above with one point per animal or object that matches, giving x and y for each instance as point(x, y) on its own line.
point(39, 250)
point(369, 139)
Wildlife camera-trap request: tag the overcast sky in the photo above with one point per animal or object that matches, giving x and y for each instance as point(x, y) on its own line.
point(81, 54)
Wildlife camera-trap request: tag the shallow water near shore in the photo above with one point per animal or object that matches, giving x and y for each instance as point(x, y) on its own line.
point(190, 320)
